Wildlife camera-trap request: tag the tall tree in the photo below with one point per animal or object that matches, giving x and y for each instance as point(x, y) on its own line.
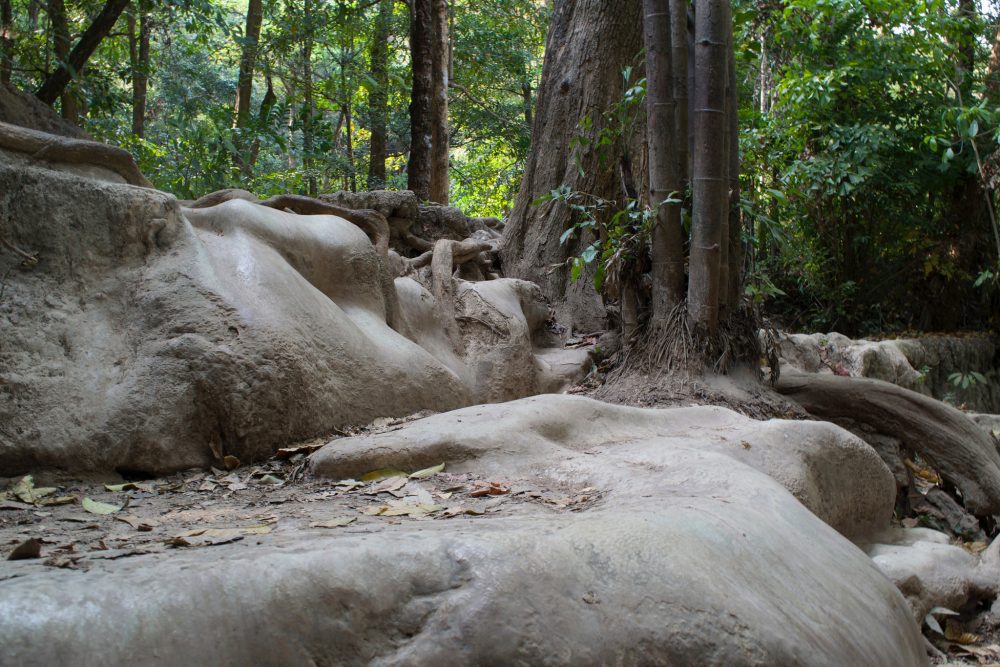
point(588, 44)
point(244, 83)
point(139, 33)
point(378, 96)
point(63, 42)
point(309, 102)
point(418, 170)
point(664, 180)
point(710, 183)
point(6, 40)
point(74, 63)
point(440, 136)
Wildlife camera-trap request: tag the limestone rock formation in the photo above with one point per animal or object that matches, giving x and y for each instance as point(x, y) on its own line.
point(698, 552)
point(142, 336)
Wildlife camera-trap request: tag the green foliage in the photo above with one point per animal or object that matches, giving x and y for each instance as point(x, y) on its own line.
point(190, 141)
point(858, 167)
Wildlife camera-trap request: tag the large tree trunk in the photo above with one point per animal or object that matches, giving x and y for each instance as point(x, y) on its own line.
point(440, 140)
point(418, 170)
point(244, 84)
point(709, 179)
point(378, 98)
point(139, 55)
point(588, 44)
point(56, 83)
point(734, 276)
point(664, 180)
point(6, 41)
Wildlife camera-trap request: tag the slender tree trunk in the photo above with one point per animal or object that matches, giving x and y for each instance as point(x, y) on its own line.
point(664, 182)
point(378, 98)
point(63, 44)
point(6, 40)
point(56, 83)
point(679, 68)
point(527, 103)
point(244, 83)
point(709, 179)
point(139, 55)
point(440, 137)
point(350, 148)
point(588, 44)
point(735, 274)
point(418, 171)
point(309, 104)
point(264, 118)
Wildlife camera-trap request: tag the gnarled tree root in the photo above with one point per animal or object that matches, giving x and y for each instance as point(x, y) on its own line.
point(43, 146)
point(958, 449)
point(372, 223)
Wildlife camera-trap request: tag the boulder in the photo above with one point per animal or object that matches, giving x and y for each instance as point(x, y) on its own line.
point(694, 553)
point(141, 336)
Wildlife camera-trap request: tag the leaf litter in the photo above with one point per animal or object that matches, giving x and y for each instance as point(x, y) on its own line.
point(82, 522)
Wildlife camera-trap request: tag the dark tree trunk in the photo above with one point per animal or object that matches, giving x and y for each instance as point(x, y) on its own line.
point(588, 44)
point(56, 83)
point(378, 98)
point(735, 275)
point(679, 67)
point(440, 136)
point(709, 178)
point(63, 42)
point(244, 84)
point(6, 40)
point(664, 181)
point(527, 103)
point(139, 54)
point(264, 118)
point(418, 170)
point(309, 104)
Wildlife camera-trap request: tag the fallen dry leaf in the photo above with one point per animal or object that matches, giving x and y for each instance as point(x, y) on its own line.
point(231, 462)
point(387, 486)
point(428, 472)
point(289, 452)
point(59, 500)
point(382, 473)
point(142, 525)
point(97, 507)
point(494, 489)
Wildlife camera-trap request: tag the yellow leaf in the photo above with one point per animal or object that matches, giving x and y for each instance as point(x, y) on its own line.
point(382, 473)
point(96, 507)
point(427, 472)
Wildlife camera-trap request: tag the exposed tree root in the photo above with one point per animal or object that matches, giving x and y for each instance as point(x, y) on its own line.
point(959, 450)
point(43, 146)
point(372, 223)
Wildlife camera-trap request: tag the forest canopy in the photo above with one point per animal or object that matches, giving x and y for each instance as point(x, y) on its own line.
point(868, 128)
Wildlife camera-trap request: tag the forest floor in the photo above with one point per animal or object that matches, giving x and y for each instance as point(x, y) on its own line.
point(53, 522)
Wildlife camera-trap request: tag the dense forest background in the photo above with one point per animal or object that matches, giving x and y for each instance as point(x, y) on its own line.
point(868, 128)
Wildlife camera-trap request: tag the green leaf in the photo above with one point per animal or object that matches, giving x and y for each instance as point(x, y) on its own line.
point(428, 472)
point(589, 253)
point(576, 269)
point(96, 507)
point(973, 129)
point(566, 235)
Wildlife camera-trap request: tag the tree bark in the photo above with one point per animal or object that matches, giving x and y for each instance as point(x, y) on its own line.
point(588, 44)
point(664, 182)
point(56, 83)
point(244, 83)
point(735, 274)
point(958, 448)
point(309, 104)
point(418, 170)
point(378, 98)
point(63, 43)
point(139, 53)
point(709, 180)
point(679, 67)
point(440, 137)
point(6, 40)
